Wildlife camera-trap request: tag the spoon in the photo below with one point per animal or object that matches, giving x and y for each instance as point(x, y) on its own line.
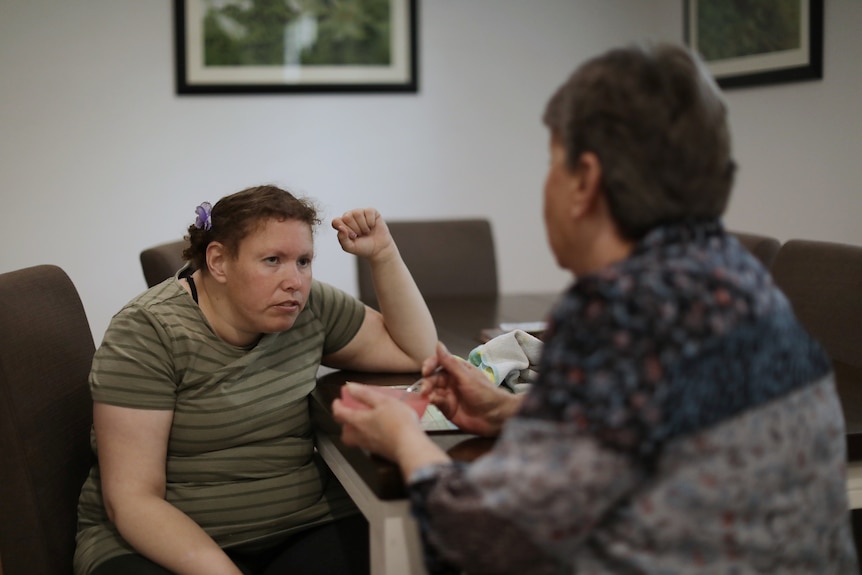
point(416, 386)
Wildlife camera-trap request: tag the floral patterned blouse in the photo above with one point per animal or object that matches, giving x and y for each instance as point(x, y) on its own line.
point(683, 422)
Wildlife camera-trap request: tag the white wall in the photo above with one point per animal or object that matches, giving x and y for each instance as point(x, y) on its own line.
point(99, 158)
point(799, 145)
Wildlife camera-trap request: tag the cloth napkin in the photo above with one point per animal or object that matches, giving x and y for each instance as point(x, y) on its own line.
point(510, 360)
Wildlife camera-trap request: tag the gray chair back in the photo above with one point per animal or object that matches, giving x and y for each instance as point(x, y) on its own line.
point(46, 348)
point(162, 261)
point(446, 258)
point(762, 247)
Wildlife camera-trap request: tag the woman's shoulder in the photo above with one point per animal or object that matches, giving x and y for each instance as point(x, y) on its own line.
point(323, 296)
point(334, 311)
point(163, 305)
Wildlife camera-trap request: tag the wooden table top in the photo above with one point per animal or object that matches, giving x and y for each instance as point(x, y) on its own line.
point(460, 322)
point(382, 476)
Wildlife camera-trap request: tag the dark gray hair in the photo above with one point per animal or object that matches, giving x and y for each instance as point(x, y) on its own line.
point(657, 122)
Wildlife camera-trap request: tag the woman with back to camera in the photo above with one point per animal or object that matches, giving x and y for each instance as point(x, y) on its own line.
point(206, 463)
point(683, 421)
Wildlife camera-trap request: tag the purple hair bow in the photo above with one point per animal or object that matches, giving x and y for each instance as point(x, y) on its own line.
point(203, 219)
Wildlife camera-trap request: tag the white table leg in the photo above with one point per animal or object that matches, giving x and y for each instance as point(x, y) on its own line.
point(394, 535)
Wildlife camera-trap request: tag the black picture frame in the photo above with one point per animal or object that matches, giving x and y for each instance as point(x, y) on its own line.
point(392, 65)
point(799, 52)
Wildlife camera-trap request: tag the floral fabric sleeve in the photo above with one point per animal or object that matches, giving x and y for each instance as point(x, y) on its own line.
point(525, 506)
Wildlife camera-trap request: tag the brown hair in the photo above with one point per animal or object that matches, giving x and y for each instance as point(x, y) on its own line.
point(235, 216)
point(657, 123)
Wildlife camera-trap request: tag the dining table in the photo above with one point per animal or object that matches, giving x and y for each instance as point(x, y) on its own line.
point(375, 484)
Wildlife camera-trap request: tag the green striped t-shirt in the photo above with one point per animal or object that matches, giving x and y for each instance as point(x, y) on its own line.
point(240, 458)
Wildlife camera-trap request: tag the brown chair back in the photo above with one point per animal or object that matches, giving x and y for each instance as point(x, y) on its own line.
point(823, 281)
point(162, 261)
point(763, 248)
point(446, 258)
point(46, 348)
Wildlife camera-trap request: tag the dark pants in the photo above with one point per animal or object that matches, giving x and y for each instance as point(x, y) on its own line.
point(333, 549)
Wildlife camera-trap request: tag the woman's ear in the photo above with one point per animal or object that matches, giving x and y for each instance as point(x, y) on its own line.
point(216, 258)
point(591, 168)
point(586, 182)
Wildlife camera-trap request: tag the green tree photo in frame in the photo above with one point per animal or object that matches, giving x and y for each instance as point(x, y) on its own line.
point(266, 46)
point(750, 42)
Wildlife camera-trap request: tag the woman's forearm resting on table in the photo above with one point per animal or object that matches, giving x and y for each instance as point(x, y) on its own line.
point(416, 452)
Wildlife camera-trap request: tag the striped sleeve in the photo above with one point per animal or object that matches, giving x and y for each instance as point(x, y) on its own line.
point(132, 367)
point(340, 314)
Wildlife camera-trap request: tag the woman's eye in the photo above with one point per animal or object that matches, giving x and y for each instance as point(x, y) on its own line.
point(304, 262)
point(271, 260)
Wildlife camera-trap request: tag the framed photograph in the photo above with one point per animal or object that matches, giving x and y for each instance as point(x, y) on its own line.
point(751, 42)
point(274, 46)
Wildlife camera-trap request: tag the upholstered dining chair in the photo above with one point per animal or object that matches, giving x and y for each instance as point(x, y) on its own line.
point(447, 257)
point(763, 247)
point(46, 348)
point(823, 281)
point(162, 261)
